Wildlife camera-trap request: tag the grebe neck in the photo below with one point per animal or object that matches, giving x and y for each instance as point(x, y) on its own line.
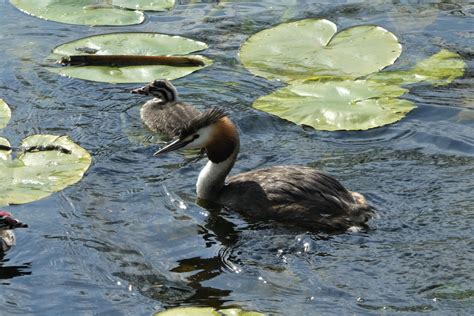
point(222, 155)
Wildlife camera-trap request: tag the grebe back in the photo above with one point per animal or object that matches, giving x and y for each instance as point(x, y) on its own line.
point(298, 195)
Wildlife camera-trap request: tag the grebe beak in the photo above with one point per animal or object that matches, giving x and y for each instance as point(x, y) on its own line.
point(142, 91)
point(173, 145)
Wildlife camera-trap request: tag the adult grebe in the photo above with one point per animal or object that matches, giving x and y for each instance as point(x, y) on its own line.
point(298, 195)
point(164, 113)
point(7, 224)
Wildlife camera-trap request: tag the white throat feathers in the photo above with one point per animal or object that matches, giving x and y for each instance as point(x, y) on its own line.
point(222, 151)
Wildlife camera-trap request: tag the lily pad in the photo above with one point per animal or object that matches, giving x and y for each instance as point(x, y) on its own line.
point(37, 174)
point(5, 114)
point(337, 105)
point(4, 154)
point(146, 5)
point(440, 69)
point(206, 311)
point(312, 48)
point(143, 44)
point(84, 12)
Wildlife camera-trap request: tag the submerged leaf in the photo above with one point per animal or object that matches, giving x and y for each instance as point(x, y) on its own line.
point(440, 69)
point(37, 174)
point(337, 105)
point(84, 12)
point(311, 48)
point(142, 44)
point(206, 311)
point(5, 114)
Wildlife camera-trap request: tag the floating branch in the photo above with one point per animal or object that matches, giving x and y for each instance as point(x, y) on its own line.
point(38, 148)
point(5, 147)
point(47, 148)
point(129, 60)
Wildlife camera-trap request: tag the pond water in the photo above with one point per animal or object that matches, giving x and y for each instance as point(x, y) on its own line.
point(129, 238)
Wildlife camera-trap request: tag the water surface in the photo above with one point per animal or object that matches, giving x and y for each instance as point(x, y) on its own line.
point(129, 238)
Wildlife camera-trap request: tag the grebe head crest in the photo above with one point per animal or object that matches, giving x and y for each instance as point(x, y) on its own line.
point(161, 89)
point(197, 133)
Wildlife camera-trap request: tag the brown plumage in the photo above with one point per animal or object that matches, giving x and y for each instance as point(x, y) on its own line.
point(7, 224)
point(164, 114)
point(298, 195)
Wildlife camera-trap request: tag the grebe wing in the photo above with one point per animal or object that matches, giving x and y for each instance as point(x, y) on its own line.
point(293, 194)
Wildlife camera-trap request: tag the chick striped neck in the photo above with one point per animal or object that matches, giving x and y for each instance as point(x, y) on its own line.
point(165, 91)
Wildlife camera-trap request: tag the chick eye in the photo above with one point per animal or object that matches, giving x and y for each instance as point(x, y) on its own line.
point(195, 136)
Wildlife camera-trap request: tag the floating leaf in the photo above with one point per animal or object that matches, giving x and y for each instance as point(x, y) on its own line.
point(206, 311)
point(146, 5)
point(37, 174)
point(85, 12)
point(337, 105)
point(143, 44)
point(440, 69)
point(4, 153)
point(5, 114)
point(311, 48)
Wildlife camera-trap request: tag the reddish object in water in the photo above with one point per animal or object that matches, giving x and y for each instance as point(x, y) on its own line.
point(8, 222)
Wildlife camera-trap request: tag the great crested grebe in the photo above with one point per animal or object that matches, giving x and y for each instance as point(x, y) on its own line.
point(7, 224)
point(298, 195)
point(164, 114)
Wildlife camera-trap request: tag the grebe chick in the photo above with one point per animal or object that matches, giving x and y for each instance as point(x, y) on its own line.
point(297, 195)
point(164, 114)
point(7, 224)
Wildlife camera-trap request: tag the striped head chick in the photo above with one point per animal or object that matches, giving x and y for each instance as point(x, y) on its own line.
point(164, 114)
point(161, 89)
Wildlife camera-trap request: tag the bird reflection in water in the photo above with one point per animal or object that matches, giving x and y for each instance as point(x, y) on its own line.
point(10, 272)
point(225, 234)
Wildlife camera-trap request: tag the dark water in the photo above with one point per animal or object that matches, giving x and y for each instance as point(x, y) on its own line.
point(129, 239)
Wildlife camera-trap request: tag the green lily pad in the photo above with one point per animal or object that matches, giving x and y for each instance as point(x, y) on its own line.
point(5, 114)
point(206, 311)
point(146, 5)
point(311, 48)
point(37, 174)
point(337, 105)
point(4, 154)
point(84, 12)
point(143, 44)
point(440, 69)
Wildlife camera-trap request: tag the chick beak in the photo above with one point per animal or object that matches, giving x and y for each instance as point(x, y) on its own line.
point(172, 145)
point(142, 91)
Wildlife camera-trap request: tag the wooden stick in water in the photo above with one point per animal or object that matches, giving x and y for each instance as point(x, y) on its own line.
point(129, 60)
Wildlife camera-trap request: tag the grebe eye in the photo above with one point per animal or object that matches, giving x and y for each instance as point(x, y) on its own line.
point(195, 136)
